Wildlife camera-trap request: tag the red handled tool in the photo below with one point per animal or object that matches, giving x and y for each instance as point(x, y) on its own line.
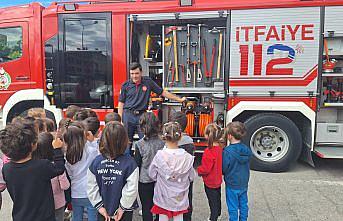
point(212, 57)
point(207, 73)
point(183, 74)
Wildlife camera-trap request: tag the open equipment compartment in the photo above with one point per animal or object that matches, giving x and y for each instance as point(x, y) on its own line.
point(176, 57)
point(330, 113)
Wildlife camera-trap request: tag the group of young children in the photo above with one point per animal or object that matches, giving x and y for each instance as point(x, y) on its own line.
point(42, 162)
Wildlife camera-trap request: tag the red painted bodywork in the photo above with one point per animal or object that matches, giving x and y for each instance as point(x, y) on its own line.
point(26, 71)
point(311, 102)
point(43, 25)
point(277, 81)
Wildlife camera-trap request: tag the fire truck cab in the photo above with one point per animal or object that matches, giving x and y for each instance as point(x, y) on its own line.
point(276, 66)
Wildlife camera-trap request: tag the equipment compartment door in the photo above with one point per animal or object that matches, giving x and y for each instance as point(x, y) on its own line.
point(85, 76)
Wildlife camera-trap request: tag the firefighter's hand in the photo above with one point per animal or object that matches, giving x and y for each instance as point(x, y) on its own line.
point(183, 99)
point(104, 213)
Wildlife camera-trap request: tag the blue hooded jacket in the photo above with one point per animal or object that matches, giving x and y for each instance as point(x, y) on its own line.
point(236, 171)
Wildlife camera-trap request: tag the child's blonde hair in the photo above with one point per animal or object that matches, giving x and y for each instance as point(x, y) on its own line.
point(36, 112)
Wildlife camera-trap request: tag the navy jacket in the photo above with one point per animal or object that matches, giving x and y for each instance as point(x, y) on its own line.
point(113, 183)
point(236, 171)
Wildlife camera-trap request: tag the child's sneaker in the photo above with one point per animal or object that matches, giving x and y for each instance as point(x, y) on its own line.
point(67, 215)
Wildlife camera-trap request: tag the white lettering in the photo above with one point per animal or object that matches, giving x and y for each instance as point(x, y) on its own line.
point(102, 171)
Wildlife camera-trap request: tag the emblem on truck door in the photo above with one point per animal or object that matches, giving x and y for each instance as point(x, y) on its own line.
point(5, 79)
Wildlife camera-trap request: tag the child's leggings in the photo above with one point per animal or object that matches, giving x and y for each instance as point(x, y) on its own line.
point(214, 201)
point(175, 218)
point(237, 200)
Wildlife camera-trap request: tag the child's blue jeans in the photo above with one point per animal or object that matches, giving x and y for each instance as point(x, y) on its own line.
point(79, 204)
point(237, 200)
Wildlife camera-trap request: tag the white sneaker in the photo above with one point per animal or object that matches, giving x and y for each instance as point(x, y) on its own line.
point(67, 215)
point(140, 212)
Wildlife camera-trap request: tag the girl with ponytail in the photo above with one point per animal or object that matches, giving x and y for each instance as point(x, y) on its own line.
point(172, 170)
point(211, 168)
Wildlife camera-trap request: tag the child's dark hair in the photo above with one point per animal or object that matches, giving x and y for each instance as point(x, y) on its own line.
point(72, 110)
point(17, 139)
point(149, 124)
point(181, 118)
point(236, 129)
point(20, 119)
point(50, 125)
point(62, 126)
point(171, 132)
point(81, 115)
point(114, 140)
point(40, 122)
point(64, 123)
point(92, 124)
point(75, 140)
point(91, 113)
point(214, 134)
point(44, 149)
point(113, 116)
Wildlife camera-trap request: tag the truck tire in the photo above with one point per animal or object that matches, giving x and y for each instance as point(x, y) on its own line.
point(274, 140)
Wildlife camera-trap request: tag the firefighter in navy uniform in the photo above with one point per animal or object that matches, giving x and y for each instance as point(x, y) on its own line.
point(134, 98)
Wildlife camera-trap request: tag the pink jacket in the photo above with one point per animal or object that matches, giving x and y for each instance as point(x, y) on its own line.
point(172, 169)
point(59, 184)
point(5, 159)
point(2, 182)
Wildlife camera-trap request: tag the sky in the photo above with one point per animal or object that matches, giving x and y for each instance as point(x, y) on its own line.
point(5, 3)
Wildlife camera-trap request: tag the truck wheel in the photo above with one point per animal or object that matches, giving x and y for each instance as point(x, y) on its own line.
point(274, 140)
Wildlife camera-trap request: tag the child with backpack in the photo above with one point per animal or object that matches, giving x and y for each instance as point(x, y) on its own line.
point(80, 152)
point(145, 151)
point(113, 176)
point(60, 183)
point(28, 180)
point(211, 169)
point(236, 171)
point(172, 169)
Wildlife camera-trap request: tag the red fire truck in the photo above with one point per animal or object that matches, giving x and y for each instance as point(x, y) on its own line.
point(275, 65)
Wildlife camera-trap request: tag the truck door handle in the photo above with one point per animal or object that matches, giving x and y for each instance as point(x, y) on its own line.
point(332, 129)
point(22, 78)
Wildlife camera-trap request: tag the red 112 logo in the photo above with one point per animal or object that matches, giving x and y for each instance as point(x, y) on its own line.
point(270, 66)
